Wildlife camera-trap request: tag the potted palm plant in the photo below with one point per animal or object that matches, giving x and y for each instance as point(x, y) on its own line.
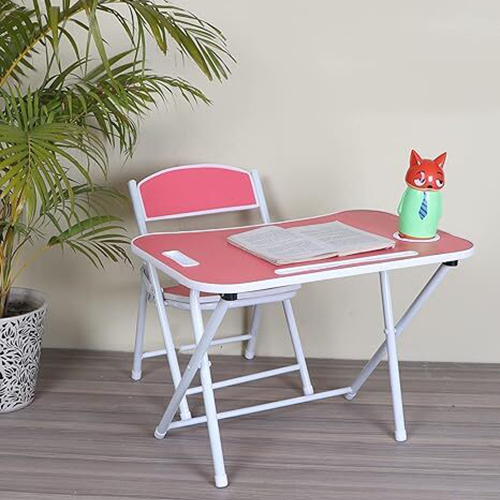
point(55, 137)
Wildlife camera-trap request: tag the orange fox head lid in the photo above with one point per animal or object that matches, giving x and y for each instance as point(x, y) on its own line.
point(425, 174)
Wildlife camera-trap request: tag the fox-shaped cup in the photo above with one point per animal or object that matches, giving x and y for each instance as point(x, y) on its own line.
point(420, 207)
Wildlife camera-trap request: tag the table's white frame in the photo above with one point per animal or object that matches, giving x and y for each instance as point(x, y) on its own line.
point(229, 293)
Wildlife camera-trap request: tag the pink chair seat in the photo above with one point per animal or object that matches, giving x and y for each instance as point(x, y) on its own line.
point(180, 293)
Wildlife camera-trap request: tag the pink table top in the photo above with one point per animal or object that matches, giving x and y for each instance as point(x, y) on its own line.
point(224, 268)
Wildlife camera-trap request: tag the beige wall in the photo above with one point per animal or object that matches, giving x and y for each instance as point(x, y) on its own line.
point(327, 100)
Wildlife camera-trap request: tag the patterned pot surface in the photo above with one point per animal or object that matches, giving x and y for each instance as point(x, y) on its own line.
point(20, 347)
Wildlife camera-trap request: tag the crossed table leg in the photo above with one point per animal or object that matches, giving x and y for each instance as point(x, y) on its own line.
point(199, 360)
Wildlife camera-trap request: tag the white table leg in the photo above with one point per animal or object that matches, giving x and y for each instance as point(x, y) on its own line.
point(196, 360)
point(392, 355)
point(297, 347)
point(416, 305)
point(208, 395)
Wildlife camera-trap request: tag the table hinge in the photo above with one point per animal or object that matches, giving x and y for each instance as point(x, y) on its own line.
point(230, 297)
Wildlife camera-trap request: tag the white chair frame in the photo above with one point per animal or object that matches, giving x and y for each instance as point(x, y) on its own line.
point(151, 290)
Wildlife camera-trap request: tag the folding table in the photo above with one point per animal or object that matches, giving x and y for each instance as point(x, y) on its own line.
point(204, 261)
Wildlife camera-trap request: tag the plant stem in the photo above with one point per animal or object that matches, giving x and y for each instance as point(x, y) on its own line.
point(6, 250)
point(4, 297)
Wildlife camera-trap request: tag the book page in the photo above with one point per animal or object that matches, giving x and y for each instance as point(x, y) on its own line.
point(342, 239)
point(278, 245)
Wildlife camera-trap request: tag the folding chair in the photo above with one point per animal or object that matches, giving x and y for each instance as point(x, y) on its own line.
point(196, 190)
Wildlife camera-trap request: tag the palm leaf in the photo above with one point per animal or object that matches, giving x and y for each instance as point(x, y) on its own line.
point(18, 31)
point(97, 238)
point(40, 147)
point(114, 102)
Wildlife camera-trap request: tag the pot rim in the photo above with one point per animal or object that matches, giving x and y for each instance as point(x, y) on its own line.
point(41, 308)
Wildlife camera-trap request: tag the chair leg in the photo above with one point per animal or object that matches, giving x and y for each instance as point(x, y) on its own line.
point(297, 346)
point(208, 396)
point(392, 358)
point(254, 330)
point(139, 332)
point(167, 338)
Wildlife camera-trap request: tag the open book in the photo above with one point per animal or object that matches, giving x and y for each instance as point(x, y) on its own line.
point(313, 242)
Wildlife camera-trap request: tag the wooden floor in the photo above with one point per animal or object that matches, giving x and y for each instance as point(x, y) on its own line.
point(89, 436)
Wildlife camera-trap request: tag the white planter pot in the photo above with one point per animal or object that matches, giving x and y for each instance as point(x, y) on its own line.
point(20, 347)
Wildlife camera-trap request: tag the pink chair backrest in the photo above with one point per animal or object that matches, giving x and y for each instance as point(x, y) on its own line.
point(196, 190)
